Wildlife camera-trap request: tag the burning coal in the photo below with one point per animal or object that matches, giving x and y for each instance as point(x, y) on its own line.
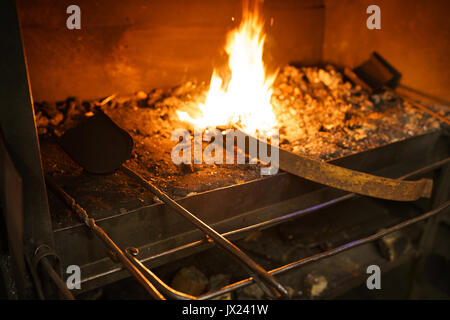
point(213, 152)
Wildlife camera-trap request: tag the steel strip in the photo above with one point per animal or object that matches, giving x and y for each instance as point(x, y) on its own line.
point(237, 233)
point(102, 235)
point(267, 283)
point(246, 282)
point(349, 180)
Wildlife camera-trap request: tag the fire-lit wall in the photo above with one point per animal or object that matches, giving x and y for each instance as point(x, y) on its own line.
point(125, 46)
point(414, 38)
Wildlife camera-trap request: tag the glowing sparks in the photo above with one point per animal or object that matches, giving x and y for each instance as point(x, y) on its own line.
point(244, 99)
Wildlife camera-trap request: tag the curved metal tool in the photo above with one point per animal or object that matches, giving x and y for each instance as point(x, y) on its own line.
point(267, 282)
point(350, 180)
point(165, 289)
point(355, 181)
point(116, 251)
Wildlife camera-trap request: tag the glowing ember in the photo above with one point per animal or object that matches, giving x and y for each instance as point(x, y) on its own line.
point(243, 100)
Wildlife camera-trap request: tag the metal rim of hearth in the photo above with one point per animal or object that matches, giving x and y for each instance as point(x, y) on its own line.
point(131, 253)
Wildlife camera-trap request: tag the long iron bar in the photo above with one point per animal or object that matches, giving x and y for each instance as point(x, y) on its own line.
point(346, 179)
point(90, 223)
point(59, 283)
point(263, 278)
point(293, 215)
point(275, 221)
point(246, 282)
point(161, 285)
point(423, 108)
point(174, 294)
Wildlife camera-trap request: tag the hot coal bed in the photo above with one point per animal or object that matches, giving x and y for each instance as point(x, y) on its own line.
point(315, 240)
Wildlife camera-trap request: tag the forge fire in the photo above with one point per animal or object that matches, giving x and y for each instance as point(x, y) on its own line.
point(319, 115)
point(244, 98)
point(224, 150)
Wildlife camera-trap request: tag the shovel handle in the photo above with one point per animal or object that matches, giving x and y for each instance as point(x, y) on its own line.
point(261, 276)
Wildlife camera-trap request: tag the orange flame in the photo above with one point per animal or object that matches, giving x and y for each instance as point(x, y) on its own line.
point(244, 100)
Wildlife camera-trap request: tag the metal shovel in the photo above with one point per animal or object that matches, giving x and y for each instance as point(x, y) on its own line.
point(100, 146)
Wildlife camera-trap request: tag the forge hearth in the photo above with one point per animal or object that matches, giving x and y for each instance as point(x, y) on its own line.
point(378, 133)
point(321, 114)
point(292, 68)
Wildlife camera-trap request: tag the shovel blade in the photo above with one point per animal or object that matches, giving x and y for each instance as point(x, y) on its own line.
point(97, 144)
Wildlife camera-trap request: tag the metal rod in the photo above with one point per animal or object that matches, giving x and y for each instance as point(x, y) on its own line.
point(35, 278)
point(161, 285)
point(60, 284)
point(428, 235)
point(239, 232)
point(290, 216)
point(346, 179)
point(246, 282)
point(261, 276)
point(424, 109)
point(118, 253)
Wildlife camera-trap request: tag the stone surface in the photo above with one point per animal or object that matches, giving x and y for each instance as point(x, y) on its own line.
point(316, 284)
point(190, 280)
